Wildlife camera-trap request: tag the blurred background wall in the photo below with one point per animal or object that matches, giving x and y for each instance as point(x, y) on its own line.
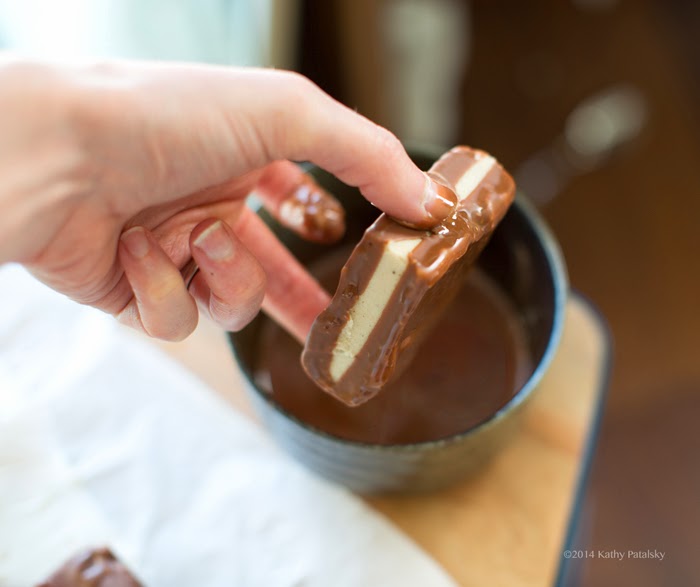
point(214, 31)
point(593, 104)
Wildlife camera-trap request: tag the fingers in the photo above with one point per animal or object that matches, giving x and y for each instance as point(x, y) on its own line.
point(357, 151)
point(221, 122)
point(230, 284)
point(360, 153)
point(161, 305)
point(300, 204)
point(293, 297)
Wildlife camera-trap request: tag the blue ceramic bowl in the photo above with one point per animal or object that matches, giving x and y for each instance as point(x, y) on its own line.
point(524, 259)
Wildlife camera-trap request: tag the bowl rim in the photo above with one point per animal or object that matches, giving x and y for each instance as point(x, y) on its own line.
point(560, 282)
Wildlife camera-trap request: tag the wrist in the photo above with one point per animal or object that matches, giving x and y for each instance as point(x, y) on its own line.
point(42, 161)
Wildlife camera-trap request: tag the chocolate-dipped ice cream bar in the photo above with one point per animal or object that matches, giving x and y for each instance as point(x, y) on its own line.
point(398, 281)
point(92, 568)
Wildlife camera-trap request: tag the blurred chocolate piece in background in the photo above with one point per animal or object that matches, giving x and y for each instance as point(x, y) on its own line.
point(96, 567)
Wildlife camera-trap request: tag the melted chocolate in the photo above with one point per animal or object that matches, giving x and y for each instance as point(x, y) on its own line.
point(469, 366)
point(425, 289)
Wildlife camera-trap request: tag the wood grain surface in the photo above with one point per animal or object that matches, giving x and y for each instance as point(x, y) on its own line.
point(507, 525)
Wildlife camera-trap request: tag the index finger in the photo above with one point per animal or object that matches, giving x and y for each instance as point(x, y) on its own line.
point(212, 123)
point(358, 152)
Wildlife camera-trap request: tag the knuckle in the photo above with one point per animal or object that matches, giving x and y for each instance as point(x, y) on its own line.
point(298, 85)
point(295, 90)
point(299, 104)
point(388, 145)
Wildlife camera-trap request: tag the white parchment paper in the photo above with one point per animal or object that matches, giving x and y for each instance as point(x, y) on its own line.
point(105, 440)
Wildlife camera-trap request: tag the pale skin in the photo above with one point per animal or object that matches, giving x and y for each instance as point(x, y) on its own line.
point(114, 176)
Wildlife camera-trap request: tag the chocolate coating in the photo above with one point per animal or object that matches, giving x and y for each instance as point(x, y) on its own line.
point(312, 212)
point(92, 568)
point(434, 273)
point(439, 207)
point(470, 365)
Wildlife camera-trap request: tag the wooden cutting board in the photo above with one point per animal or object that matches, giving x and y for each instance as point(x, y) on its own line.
point(509, 525)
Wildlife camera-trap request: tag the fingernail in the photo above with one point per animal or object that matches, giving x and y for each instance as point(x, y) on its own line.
point(136, 242)
point(215, 242)
point(438, 200)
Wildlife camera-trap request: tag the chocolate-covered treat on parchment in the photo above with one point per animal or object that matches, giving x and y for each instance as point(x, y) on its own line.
point(398, 282)
point(96, 567)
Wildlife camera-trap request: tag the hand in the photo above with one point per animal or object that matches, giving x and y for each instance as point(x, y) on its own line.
point(115, 176)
